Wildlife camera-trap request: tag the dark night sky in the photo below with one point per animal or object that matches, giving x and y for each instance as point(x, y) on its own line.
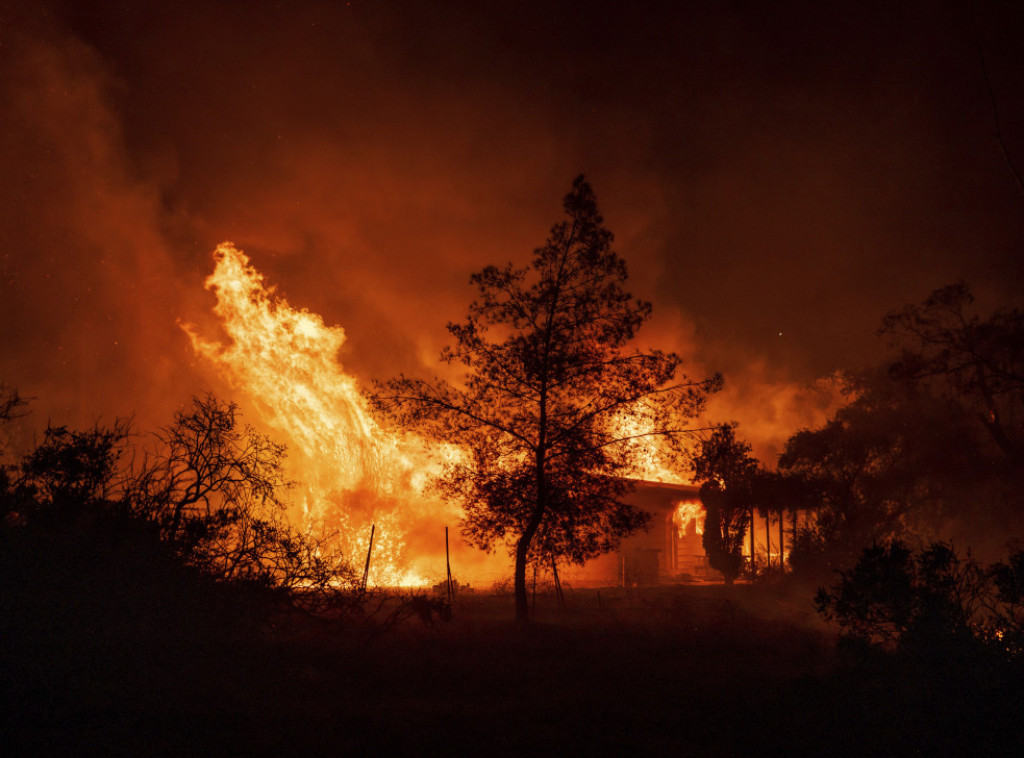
point(778, 175)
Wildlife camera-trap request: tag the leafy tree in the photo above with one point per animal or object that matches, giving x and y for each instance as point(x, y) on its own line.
point(72, 468)
point(873, 601)
point(1008, 608)
point(932, 603)
point(895, 458)
point(11, 407)
point(931, 441)
point(977, 362)
point(209, 494)
point(549, 381)
point(71, 474)
point(727, 476)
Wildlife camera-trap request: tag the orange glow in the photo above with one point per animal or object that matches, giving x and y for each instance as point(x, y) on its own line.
point(688, 512)
point(651, 461)
point(352, 473)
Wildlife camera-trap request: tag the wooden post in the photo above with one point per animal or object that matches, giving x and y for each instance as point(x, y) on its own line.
point(448, 565)
point(753, 562)
point(558, 585)
point(782, 542)
point(369, 552)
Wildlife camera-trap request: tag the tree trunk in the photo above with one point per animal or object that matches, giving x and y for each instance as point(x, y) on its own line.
point(523, 546)
point(522, 596)
point(540, 472)
point(175, 523)
point(179, 509)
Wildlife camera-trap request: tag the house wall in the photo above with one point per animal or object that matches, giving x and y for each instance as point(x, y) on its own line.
point(658, 554)
point(665, 554)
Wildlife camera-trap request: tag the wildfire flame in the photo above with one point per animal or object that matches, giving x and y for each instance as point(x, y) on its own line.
point(353, 472)
point(688, 512)
point(652, 463)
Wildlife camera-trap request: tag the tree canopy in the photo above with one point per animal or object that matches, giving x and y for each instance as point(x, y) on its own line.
point(978, 362)
point(929, 444)
point(206, 493)
point(550, 385)
point(728, 477)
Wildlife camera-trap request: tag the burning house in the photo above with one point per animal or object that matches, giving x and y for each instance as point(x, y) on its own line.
point(672, 549)
point(359, 478)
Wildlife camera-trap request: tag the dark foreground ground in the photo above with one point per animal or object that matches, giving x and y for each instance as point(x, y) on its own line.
point(685, 670)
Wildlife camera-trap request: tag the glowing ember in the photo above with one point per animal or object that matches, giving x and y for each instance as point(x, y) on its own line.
point(284, 360)
point(688, 512)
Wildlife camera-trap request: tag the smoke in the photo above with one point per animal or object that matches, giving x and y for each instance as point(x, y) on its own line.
point(90, 289)
point(777, 180)
point(770, 409)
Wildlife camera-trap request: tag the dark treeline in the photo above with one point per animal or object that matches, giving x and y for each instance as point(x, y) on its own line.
point(930, 445)
point(205, 493)
point(919, 472)
point(151, 581)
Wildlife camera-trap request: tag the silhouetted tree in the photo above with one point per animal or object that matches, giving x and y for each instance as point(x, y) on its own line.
point(977, 363)
point(727, 476)
point(895, 458)
point(934, 603)
point(207, 468)
point(216, 488)
point(74, 469)
point(549, 380)
point(1008, 610)
point(931, 440)
point(12, 405)
point(12, 500)
point(209, 493)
